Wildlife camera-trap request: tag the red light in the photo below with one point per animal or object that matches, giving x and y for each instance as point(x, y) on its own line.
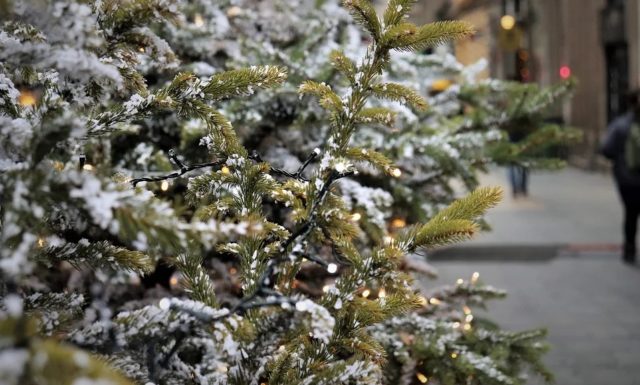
point(565, 72)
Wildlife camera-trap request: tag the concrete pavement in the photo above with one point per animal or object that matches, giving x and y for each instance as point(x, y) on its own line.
point(556, 254)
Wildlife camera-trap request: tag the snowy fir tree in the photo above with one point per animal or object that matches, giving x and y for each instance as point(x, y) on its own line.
point(243, 192)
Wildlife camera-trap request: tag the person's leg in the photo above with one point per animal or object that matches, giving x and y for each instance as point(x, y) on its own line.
point(525, 181)
point(513, 179)
point(631, 212)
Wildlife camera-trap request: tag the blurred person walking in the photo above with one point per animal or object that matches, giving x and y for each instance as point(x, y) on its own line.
point(621, 145)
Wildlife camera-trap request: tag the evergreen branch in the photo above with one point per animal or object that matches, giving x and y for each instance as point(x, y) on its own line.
point(400, 93)
point(408, 37)
point(396, 11)
point(364, 14)
point(243, 81)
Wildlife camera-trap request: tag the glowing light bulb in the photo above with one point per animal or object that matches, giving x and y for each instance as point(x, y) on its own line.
point(27, 98)
point(454, 355)
point(141, 49)
point(198, 20)
point(164, 304)
point(422, 378)
point(456, 325)
point(565, 72)
point(474, 277)
point(396, 172)
point(234, 11)
point(467, 327)
point(233, 271)
point(164, 186)
point(387, 240)
point(87, 167)
point(507, 22)
point(366, 293)
point(398, 223)
point(332, 268)
point(469, 318)
point(41, 242)
point(460, 281)
point(225, 170)
point(281, 348)
point(435, 301)
point(356, 217)
point(382, 293)
point(174, 280)
point(325, 288)
point(466, 309)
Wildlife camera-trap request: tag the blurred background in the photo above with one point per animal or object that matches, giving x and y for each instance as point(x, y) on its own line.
point(557, 250)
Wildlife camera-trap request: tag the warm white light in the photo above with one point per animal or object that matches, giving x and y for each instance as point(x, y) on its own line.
point(398, 223)
point(332, 268)
point(325, 288)
point(460, 281)
point(382, 293)
point(507, 22)
point(469, 318)
point(467, 327)
point(454, 355)
point(356, 217)
point(396, 173)
point(174, 280)
point(435, 301)
point(474, 277)
point(198, 20)
point(225, 170)
point(87, 167)
point(27, 98)
point(466, 309)
point(456, 325)
point(165, 304)
point(164, 186)
point(422, 378)
point(366, 293)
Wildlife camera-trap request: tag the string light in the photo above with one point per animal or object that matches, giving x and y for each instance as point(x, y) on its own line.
point(41, 242)
point(141, 49)
point(233, 271)
point(87, 167)
point(164, 186)
point(234, 11)
point(223, 368)
point(325, 288)
point(507, 22)
point(467, 327)
point(356, 217)
point(164, 304)
point(398, 223)
point(440, 85)
point(454, 355)
point(27, 98)
point(366, 293)
point(387, 240)
point(474, 277)
point(396, 172)
point(382, 293)
point(174, 280)
point(422, 378)
point(281, 348)
point(198, 20)
point(456, 325)
point(225, 170)
point(466, 309)
point(469, 318)
point(332, 268)
point(435, 301)
point(460, 281)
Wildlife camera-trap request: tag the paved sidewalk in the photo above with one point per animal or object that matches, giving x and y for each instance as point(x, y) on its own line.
point(556, 254)
point(569, 206)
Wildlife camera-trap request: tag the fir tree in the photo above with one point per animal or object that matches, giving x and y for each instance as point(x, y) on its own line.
point(144, 239)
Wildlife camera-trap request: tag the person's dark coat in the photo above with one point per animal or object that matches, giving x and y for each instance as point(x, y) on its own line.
point(613, 148)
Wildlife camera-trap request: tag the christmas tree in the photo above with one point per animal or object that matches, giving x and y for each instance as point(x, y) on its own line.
point(146, 239)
